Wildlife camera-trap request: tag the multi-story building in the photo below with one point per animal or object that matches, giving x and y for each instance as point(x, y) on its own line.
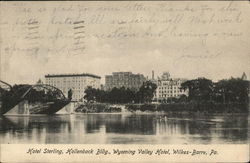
point(168, 87)
point(76, 82)
point(124, 79)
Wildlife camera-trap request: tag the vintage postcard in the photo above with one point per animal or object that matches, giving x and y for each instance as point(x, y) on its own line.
point(124, 81)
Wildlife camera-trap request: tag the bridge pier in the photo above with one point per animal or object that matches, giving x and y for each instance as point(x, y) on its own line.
point(68, 109)
point(20, 109)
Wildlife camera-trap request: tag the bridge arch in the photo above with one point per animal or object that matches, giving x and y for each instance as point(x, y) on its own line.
point(46, 87)
point(3, 85)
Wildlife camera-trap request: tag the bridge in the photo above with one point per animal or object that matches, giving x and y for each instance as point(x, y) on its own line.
point(5, 86)
point(41, 98)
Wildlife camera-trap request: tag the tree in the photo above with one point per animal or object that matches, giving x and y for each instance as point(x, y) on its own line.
point(200, 89)
point(182, 99)
point(232, 90)
point(100, 95)
point(146, 92)
point(172, 100)
point(90, 94)
point(120, 95)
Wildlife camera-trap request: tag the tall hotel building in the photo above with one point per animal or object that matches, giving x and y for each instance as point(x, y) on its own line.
point(76, 82)
point(167, 87)
point(124, 79)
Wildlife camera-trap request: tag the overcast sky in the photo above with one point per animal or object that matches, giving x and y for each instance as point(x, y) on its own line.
point(187, 39)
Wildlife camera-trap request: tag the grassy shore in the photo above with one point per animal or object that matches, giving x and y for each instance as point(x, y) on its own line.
point(205, 107)
point(191, 107)
point(97, 108)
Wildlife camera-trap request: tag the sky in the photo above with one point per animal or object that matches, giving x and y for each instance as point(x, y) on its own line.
point(187, 39)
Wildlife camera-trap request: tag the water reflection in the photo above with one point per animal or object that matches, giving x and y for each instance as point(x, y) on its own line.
point(125, 128)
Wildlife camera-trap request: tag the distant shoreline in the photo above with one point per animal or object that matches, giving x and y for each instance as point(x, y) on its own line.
point(203, 107)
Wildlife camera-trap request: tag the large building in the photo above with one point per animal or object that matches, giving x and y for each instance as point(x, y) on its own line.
point(168, 87)
point(124, 79)
point(76, 82)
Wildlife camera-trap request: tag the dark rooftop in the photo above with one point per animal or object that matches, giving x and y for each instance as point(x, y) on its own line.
point(71, 75)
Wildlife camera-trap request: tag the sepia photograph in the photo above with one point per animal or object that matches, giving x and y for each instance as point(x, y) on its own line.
point(103, 77)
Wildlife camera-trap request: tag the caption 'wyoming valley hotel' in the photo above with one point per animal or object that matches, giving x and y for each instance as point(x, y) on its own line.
point(76, 82)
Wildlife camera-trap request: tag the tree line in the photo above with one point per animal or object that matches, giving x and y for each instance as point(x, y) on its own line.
point(234, 90)
point(122, 95)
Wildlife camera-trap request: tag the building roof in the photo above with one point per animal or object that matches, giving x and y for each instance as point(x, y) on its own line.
point(124, 73)
point(72, 75)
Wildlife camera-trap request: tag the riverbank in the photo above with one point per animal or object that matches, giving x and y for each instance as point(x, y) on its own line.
point(99, 108)
point(205, 107)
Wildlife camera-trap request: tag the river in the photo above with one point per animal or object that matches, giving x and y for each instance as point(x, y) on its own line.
point(124, 129)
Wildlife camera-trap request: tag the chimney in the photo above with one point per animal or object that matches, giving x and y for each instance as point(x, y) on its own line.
point(153, 75)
